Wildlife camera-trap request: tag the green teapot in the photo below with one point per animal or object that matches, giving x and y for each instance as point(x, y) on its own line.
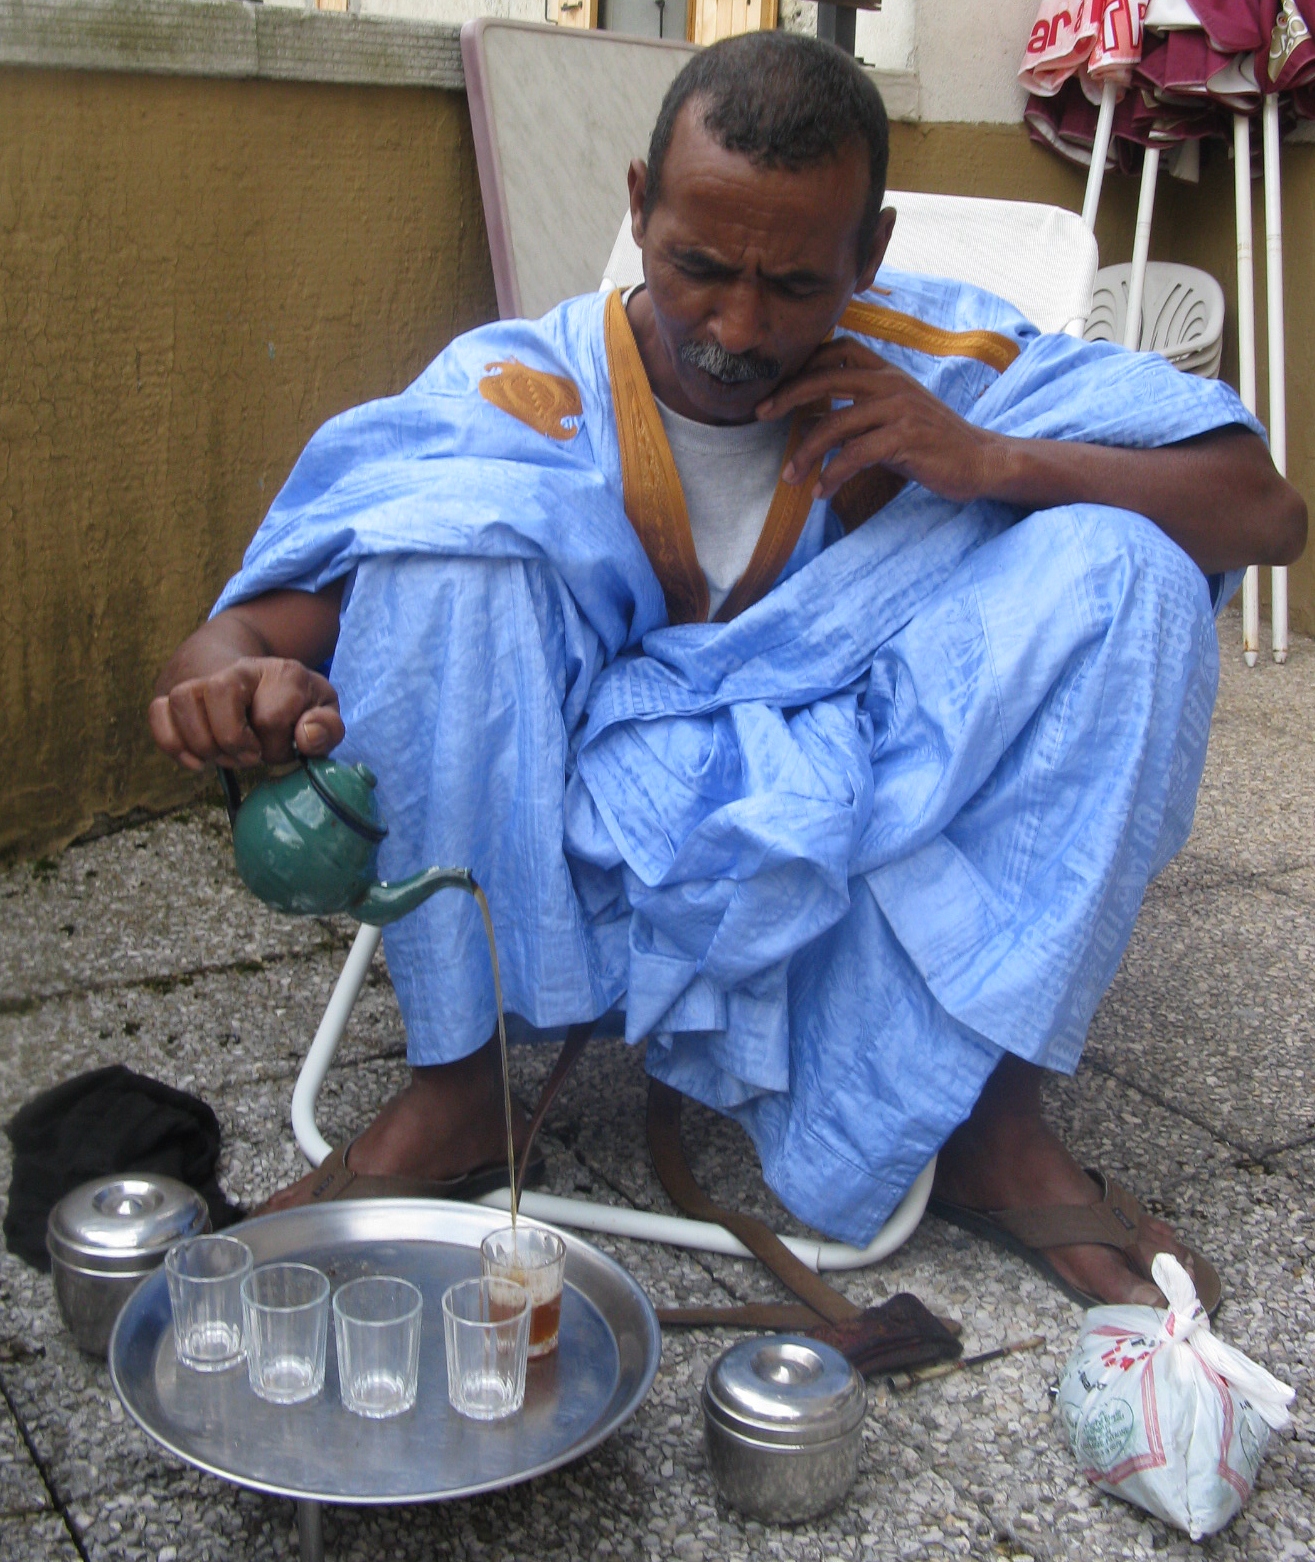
point(306, 843)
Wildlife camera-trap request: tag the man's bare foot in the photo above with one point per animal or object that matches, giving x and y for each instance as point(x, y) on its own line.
point(1004, 1157)
point(447, 1121)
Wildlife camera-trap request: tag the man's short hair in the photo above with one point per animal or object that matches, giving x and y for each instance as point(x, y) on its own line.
point(783, 100)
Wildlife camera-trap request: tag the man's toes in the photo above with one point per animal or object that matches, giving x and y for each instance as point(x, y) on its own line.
point(1104, 1273)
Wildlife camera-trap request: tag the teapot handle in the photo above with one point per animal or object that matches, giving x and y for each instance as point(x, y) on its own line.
point(232, 792)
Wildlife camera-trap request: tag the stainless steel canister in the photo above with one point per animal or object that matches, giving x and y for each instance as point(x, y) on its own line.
point(783, 1426)
point(106, 1236)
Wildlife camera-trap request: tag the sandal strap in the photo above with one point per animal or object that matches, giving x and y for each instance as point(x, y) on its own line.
point(334, 1176)
point(1114, 1221)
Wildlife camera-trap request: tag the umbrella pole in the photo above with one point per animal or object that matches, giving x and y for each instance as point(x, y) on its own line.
point(1278, 401)
point(1141, 245)
point(1246, 350)
point(1100, 148)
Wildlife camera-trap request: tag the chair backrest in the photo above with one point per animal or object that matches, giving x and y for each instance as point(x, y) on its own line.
point(1042, 259)
point(557, 114)
point(1182, 314)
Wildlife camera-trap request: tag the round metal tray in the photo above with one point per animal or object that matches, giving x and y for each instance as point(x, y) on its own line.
point(319, 1452)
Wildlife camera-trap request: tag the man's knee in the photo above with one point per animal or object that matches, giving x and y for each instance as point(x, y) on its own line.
point(1140, 569)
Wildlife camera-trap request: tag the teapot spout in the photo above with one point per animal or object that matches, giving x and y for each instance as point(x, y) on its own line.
point(384, 903)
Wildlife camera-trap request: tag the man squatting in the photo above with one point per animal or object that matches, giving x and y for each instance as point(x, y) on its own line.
point(813, 661)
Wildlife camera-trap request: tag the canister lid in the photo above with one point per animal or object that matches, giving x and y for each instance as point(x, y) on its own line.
point(116, 1225)
point(784, 1390)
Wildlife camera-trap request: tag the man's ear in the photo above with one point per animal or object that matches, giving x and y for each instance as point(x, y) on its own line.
point(877, 253)
point(637, 180)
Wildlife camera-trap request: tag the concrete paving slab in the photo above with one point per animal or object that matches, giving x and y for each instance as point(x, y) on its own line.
point(26, 1538)
point(1258, 776)
point(1210, 1012)
point(972, 1465)
point(144, 903)
point(22, 1491)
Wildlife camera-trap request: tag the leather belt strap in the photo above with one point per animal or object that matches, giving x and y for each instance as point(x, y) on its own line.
point(896, 1334)
point(576, 1038)
point(674, 1173)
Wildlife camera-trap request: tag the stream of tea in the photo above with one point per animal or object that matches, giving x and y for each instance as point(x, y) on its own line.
point(483, 905)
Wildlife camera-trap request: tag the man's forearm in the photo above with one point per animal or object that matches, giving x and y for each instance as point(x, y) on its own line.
point(1219, 497)
point(297, 625)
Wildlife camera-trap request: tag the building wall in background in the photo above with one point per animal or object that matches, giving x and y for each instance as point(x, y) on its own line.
point(194, 274)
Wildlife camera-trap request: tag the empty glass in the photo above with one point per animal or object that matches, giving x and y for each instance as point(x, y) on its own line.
point(486, 1327)
point(377, 1324)
point(285, 1308)
point(205, 1277)
point(536, 1259)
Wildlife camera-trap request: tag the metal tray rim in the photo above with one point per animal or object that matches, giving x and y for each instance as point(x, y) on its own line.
point(577, 1450)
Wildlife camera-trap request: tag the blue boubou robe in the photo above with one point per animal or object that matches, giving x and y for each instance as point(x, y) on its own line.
point(833, 855)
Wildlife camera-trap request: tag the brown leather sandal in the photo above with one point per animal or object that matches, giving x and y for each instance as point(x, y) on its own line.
point(337, 1180)
point(1112, 1222)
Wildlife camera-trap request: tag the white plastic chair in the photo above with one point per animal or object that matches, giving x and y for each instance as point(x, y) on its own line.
point(551, 198)
point(1041, 259)
point(1182, 314)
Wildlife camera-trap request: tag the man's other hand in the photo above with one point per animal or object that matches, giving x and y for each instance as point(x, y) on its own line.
point(240, 691)
point(891, 421)
point(1217, 495)
point(260, 709)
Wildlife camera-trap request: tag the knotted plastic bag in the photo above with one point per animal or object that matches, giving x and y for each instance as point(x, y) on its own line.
point(1162, 1413)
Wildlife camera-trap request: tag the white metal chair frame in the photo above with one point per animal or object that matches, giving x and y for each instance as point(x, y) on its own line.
point(581, 1214)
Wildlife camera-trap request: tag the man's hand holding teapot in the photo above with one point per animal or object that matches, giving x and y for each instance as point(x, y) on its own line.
point(241, 691)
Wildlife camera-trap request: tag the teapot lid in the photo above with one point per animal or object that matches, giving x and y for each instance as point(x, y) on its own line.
point(348, 792)
point(785, 1390)
point(115, 1224)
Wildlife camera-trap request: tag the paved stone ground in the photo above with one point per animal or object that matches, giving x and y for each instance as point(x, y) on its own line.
point(1196, 1091)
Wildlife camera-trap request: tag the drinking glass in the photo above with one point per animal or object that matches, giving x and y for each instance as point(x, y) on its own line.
point(376, 1321)
point(536, 1259)
point(205, 1276)
point(486, 1327)
point(285, 1308)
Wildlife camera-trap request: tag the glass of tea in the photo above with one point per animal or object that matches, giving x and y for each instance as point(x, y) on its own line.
point(486, 1325)
point(534, 1258)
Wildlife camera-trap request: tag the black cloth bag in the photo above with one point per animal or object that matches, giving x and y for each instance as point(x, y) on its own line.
point(94, 1125)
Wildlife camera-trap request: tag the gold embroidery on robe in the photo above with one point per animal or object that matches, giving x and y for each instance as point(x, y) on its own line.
point(650, 484)
point(655, 501)
point(534, 397)
point(889, 325)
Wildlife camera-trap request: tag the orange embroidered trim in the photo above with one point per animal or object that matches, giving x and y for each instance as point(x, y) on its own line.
point(534, 397)
point(655, 502)
point(889, 325)
point(654, 499)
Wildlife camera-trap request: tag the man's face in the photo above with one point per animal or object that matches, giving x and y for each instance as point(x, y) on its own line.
point(747, 268)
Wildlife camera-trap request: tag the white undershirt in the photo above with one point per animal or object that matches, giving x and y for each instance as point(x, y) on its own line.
point(729, 474)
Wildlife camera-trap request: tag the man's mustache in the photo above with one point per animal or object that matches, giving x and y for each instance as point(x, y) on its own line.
point(730, 368)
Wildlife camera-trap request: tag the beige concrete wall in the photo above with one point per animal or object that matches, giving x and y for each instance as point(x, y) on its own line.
point(194, 274)
point(1194, 224)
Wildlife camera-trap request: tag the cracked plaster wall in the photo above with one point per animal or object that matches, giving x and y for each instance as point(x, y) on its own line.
point(194, 274)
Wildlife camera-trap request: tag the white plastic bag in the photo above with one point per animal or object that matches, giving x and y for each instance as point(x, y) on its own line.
point(1160, 1412)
